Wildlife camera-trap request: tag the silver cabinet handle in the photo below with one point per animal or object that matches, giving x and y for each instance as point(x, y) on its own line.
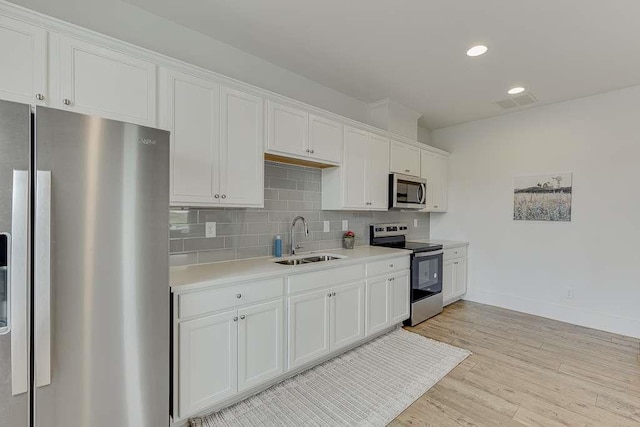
point(39, 97)
point(333, 294)
point(313, 151)
point(217, 196)
point(329, 294)
point(390, 265)
point(235, 319)
point(242, 317)
point(407, 170)
point(436, 206)
point(66, 101)
point(224, 196)
point(307, 150)
point(238, 296)
point(18, 283)
point(42, 276)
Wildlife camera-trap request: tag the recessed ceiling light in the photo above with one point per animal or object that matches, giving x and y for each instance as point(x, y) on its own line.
point(477, 50)
point(516, 90)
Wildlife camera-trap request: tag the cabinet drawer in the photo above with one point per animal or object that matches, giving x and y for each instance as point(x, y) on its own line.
point(455, 253)
point(387, 266)
point(207, 301)
point(325, 278)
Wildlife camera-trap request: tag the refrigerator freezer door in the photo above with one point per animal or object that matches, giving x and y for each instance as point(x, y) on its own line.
point(108, 331)
point(15, 142)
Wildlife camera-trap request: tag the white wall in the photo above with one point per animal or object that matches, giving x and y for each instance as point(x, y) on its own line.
point(126, 22)
point(529, 266)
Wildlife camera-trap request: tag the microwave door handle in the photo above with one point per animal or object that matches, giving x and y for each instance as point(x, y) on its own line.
point(422, 189)
point(18, 278)
point(42, 276)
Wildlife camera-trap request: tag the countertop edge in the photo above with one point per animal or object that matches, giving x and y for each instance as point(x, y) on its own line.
point(286, 271)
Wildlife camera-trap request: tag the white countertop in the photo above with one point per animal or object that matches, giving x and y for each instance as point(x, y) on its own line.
point(219, 273)
point(446, 244)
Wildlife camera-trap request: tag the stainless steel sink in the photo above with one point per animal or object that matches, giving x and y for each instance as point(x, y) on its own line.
point(308, 259)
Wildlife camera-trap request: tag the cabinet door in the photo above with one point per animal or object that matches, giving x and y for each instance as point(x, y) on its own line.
point(347, 315)
point(434, 170)
point(308, 328)
point(400, 297)
point(192, 111)
point(241, 149)
point(448, 280)
point(325, 139)
point(378, 173)
point(460, 278)
point(103, 82)
point(23, 73)
point(288, 130)
point(260, 343)
point(208, 361)
point(405, 159)
point(378, 305)
point(355, 165)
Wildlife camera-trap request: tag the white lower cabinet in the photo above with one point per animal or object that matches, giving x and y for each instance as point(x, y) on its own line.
point(387, 301)
point(234, 339)
point(308, 327)
point(347, 315)
point(208, 361)
point(454, 275)
point(229, 352)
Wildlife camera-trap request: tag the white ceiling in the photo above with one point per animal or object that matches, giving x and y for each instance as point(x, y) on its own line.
point(413, 51)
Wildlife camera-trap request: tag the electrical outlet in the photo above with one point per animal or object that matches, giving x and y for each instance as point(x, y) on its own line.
point(571, 293)
point(326, 226)
point(210, 229)
point(415, 222)
point(345, 225)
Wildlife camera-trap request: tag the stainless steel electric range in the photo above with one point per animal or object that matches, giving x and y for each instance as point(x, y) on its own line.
point(426, 269)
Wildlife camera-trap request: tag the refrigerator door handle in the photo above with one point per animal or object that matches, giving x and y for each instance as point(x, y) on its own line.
point(42, 272)
point(18, 282)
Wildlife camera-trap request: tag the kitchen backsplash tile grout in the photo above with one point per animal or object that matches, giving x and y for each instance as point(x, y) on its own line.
point(248, 233)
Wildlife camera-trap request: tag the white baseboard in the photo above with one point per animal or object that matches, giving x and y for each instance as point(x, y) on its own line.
point(574, 315)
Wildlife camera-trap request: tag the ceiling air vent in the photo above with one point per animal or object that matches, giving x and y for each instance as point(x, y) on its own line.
point(517, 101)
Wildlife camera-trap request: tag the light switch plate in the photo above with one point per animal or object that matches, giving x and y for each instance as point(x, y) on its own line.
point(326, 226)
point(210, 229)
point(345, 225)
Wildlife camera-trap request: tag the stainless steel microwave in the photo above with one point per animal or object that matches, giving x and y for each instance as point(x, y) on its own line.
point(407, 192)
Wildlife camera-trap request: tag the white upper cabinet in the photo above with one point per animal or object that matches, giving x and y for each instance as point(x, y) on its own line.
point(405, 159)
point(378, 173)
point(355, 168)
point(23, 73)
point(241, 149)
point(192, 114)
point(434, 170)
point(325, 139)
point(298, 134)
point(362, 181)
point(216, 142)
point(100, 81)
point(288, 130)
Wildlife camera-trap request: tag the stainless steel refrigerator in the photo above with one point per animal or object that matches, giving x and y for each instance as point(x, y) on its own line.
point(84, 278)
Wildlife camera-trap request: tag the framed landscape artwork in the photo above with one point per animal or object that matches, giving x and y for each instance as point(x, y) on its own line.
point(542, 197)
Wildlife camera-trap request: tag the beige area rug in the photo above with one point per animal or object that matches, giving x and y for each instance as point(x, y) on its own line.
point(367, 386)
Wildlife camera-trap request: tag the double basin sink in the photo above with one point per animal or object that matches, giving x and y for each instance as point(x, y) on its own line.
point(309, 259)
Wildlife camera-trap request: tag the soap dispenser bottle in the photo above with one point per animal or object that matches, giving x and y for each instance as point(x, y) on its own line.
point(277, 249)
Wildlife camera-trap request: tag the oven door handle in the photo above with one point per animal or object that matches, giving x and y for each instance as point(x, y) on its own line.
point(425, 254)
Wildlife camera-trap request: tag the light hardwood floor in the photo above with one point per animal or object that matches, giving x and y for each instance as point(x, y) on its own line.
point(527, 370)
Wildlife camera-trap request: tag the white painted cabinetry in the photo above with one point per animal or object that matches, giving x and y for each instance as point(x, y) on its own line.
point(454, 275)
point(434, 170)
point(400, 288)
point(216, 142)
point(363, 180)
point(309, 327)
point(104, 82)
point(405, 159)
point(208, 361)
point(296, 133)
point(347, 315)
point(23, 73)
point(388, 298)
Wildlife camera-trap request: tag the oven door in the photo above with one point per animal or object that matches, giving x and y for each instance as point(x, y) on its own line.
point(407, 192)
point(426, 275)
